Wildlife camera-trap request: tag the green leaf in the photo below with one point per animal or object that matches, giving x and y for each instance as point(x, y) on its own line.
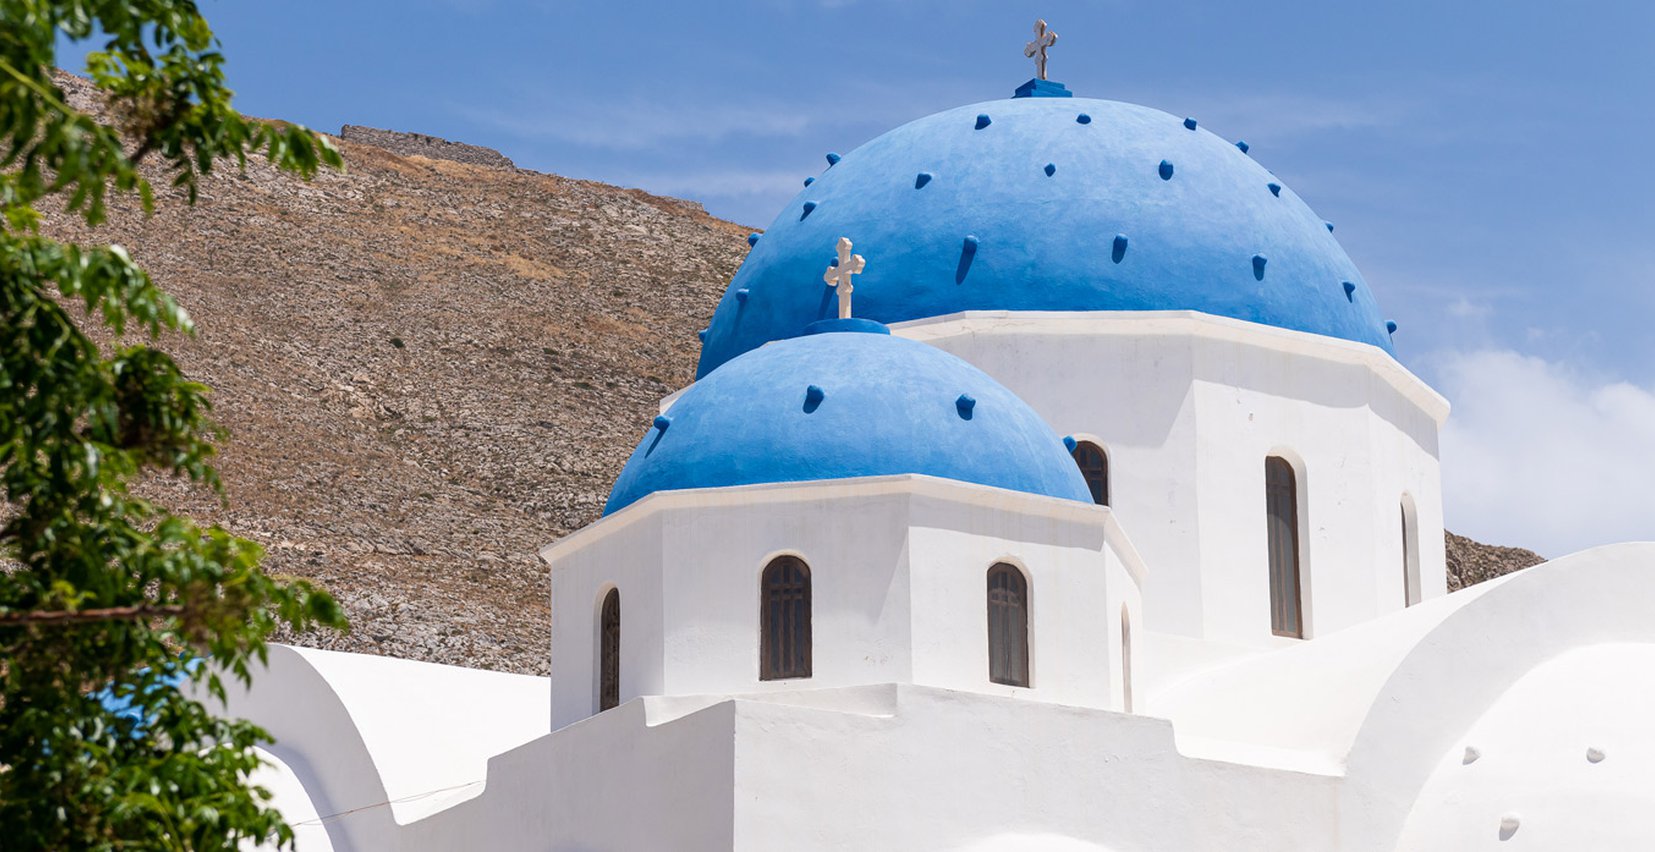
point(79, 422)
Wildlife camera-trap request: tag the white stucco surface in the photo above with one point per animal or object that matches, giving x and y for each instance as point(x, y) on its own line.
point(1351, 742)
point(1567, 752)
point(898, 584)
point(385, 740)
point(1187, 407)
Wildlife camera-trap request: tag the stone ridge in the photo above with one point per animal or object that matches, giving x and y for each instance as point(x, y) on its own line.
point(421, 145)
point(1472, 561)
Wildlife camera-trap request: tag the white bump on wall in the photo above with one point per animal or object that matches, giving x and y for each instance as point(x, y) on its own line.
point(1471, 755)
point(1594, 755)
point(1508, 826)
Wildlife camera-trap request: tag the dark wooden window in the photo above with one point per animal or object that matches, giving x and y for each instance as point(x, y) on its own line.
point(1282, 516)
point(1094, 466)
point(609, 651)
point(784, 619)
point(1008, 626)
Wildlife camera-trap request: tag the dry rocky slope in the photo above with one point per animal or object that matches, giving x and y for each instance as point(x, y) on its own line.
point(427, 370)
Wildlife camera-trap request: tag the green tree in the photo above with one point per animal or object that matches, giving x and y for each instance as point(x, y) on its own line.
point(104, 596)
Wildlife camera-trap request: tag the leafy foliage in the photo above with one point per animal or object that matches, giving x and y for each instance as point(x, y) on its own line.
point(104, 596)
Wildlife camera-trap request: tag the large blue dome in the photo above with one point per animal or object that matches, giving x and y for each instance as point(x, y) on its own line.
point(839, 405)
point(1048, 204)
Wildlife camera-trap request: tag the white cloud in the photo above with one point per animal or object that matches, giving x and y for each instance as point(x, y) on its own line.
point(1542, 455)
point(1465, 308)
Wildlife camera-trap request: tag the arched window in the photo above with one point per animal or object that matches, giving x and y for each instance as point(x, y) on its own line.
point(1094, 467)
point(784, 619)
point(609, 651)
point(1126, 660)
point(1008, 625)
point(1410, 552)
point(1281, 492)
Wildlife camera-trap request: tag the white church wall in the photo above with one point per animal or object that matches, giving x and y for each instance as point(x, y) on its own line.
point(942, 770)
point(618, 780)
point(631, 561)
point(854, 543)
point(1188, 407)
point(898, 583)
point(1074, 646)
point(1352, 466)
point(875, 767)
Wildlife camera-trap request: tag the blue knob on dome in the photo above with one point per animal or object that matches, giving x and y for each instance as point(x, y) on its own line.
point(1051, 169)
point(809, 181)
point(1083, 118)
point(701, 335)
point(1275, 188)
point(1390, 326)
point(1189, 123)
point(809, 206)
point(833, 159)
point(968, 253)
point(662, 421)
point(753, 238)
point(1258, 266)
point(1242, 144)
point(1166, 170)
point(1329, 226)
point(921, 179)
point(1119, 252)
point(1350, 291)
point(965, 405)
point(742, 294)
point(983, 120)
point(1069, 443)
point(813, 398)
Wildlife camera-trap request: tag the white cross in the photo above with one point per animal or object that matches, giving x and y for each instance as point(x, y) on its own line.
point(838, 275)
point(1043, 38)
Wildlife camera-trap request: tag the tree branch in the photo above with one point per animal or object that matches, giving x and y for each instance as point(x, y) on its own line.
point(79, 616)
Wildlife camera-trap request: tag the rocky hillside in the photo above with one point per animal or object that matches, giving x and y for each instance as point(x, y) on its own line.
point(1473, 562)
point(428, 369)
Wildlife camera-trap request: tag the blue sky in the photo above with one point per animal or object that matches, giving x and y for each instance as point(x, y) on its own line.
point(1488, 164)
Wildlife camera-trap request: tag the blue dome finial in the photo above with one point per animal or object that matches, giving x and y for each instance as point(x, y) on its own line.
point(1041, 86)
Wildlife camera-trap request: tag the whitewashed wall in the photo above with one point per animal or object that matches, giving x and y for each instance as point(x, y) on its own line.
point(898, 583)
point(1188, 407)
point(1352, 743)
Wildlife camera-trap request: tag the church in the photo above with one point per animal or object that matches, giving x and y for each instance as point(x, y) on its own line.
point(1049, 482)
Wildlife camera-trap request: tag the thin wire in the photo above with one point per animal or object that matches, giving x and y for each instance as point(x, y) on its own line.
point(408, 798)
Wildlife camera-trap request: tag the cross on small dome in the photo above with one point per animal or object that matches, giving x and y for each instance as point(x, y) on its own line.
point(838, 275)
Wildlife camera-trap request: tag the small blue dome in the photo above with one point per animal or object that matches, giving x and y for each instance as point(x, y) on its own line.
point(1053, 204)
point(839, 405)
